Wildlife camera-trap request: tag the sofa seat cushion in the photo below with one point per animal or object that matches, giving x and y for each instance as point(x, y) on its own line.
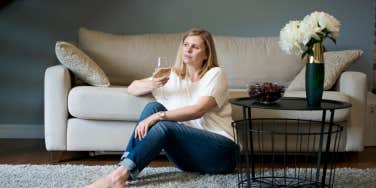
point(99, 135)
point(105, 103)
point(114, 103)
point(339, 115)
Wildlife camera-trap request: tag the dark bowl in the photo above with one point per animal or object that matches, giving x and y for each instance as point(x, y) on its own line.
point(267, 92)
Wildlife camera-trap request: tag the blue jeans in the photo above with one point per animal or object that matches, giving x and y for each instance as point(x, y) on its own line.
point(190, 149)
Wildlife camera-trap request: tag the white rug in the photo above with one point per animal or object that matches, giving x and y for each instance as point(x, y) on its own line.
point(12, 176)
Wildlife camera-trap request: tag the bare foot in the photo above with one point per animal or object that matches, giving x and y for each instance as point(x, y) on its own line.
point(116, 179)
point(103, 182)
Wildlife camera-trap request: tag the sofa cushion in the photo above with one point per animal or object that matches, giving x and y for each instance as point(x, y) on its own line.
point(245, 59)
point(340, 115)
point(105, 103)
point(114, 103)
point(99, 135)
point(80, 64)
point(127, 57)
point(336, 62)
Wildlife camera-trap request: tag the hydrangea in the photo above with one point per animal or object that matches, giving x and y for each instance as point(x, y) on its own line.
point(290, 36)
point(298, 37)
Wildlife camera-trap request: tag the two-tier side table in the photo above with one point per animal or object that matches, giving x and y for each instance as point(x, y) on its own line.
point(288, 152)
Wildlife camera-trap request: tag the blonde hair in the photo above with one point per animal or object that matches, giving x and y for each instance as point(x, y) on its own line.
point(180, 68)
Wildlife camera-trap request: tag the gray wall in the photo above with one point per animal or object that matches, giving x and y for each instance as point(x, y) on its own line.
point(29, 30)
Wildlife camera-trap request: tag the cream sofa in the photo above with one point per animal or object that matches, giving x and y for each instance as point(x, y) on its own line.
point(89, 118)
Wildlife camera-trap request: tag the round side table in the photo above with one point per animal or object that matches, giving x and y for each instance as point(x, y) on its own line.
point(283, 152)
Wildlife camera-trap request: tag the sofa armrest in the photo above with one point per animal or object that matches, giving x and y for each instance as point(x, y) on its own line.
point(57, 83)
point(354, 84)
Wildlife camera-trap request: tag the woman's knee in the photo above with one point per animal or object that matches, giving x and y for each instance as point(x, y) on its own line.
point(160, 127)
point(155, 106)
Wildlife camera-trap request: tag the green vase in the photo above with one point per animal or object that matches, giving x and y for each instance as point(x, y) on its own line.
point(315, 76)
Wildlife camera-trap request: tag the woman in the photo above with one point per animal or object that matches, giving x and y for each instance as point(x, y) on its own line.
point(191, 120)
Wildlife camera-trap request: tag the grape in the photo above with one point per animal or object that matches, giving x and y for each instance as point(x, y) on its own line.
point(266, 92)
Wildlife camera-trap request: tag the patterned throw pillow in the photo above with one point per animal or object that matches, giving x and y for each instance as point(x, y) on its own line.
point(80, 64)
point(336, 62)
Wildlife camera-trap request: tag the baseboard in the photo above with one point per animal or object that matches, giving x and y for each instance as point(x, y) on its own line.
point(21, 131)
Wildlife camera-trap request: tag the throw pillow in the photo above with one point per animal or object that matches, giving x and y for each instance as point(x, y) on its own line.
point(80, 64)
point(336, 62)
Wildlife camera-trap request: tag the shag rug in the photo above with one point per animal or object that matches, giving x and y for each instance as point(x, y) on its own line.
point(57, 176)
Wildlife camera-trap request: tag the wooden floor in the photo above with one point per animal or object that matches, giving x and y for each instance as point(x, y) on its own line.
point(32, 151)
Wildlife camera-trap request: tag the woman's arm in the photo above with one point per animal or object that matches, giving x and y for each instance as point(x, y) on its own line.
point(145, 86)
point(203, 105)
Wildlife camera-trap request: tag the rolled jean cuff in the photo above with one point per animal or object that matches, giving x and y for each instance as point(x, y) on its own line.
point(131, 167)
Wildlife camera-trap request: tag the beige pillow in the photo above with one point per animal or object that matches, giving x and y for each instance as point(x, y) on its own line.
point(336, 62)
point(80, 64)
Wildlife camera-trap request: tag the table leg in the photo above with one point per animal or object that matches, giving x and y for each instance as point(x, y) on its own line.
point(326, 159)
point(320, 146)
point(251, 142)
point(246, 148)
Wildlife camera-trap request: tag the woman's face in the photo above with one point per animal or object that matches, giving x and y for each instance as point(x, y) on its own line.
point(194, 51)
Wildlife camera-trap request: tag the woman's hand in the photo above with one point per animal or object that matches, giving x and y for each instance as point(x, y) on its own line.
point(160, 78)
point(158, 82)
point(143, 127)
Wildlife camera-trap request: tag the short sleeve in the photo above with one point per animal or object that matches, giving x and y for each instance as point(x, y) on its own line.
point(214, 84)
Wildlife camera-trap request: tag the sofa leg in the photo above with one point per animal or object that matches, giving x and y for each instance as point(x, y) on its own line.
point(62, 156)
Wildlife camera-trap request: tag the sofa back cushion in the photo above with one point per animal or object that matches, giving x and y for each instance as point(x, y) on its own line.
point(255, 59)
point(125, 58)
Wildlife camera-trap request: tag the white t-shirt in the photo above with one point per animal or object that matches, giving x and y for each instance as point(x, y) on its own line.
point(177, 93)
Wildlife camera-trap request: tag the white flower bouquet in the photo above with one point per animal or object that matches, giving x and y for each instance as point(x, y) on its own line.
point(298, 37)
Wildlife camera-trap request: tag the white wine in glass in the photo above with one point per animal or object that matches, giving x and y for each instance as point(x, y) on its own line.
point(163, 67)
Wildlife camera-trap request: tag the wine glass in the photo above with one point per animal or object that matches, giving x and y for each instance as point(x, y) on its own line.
point(162, 69)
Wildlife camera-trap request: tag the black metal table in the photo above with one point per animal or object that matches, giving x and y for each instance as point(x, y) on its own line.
point(275, 163)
